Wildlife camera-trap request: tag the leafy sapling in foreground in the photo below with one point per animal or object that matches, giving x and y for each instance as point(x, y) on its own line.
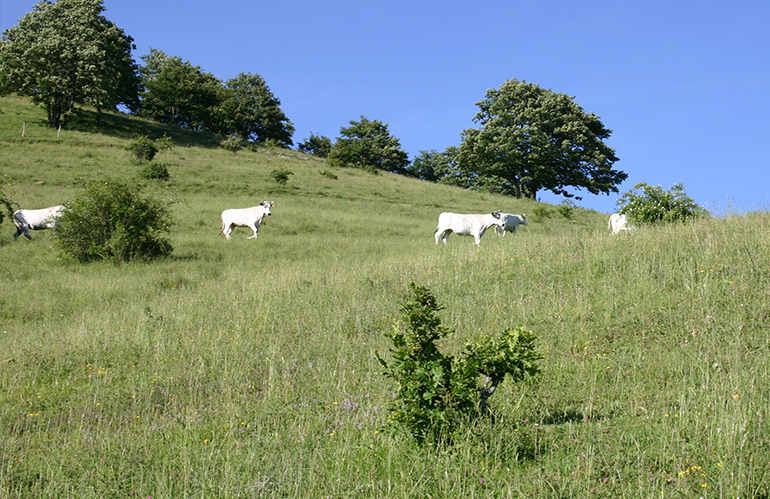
point(436, 393)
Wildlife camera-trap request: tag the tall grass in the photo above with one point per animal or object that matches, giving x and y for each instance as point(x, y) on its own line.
point(246, 368)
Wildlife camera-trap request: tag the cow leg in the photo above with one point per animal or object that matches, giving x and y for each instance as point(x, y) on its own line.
point(228, 230)
point(25, 229)
point(255, 229)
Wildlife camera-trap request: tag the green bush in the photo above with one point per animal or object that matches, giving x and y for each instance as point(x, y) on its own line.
point(112, 220)
point(155, 171)
point(143, 149)
point(647, 204)
point(232, 143)
point(541, 213)
point(567, 209)
point(7, 203)
point(328, 174)
point(281, 175)
point(436, 392)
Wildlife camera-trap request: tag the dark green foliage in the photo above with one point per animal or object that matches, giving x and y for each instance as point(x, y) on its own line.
point(318, 145)
point(143, 149)
point(534, 139)
point(66, 52)
point(328, 174)
point(178, 92)
point(7, 203)
point(155, 171)
point(112, 220)
point(249, 110)
point(647, 204)
point(281, 175)
point(437, 392)
point(368, 145)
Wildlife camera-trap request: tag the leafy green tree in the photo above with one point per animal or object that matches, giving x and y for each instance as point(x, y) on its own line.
point(249, 110)
point(318, 145)
point(112, 220)
point(535, 139)
point(65, 53)
point(178, 92)
point(368, 144)
point(647, 204)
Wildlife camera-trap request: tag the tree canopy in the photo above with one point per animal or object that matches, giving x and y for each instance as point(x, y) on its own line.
point(533, 139)
point(177, 92)
point(249, 110)
point(368, 144)
point(66, 52)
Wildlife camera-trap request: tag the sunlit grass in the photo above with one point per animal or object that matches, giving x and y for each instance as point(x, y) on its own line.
point(246, 368)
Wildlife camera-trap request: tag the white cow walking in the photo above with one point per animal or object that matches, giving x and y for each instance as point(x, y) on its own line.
point(618, 223)
point(465, 225)
point(245, 217)
point(511, 223)
point(45, 218)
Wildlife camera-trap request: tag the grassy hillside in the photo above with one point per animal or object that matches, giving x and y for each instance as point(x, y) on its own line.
point(246, 368)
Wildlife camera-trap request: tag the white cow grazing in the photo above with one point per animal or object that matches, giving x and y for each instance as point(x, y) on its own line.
point(465, 225)
point(245, 217)
point(45, 218)
point(510, 223)
point(618, 223)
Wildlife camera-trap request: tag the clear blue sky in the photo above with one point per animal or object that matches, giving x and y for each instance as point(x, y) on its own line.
point(684, 85)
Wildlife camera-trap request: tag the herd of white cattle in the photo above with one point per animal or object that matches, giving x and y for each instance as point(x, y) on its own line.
point(252, 218)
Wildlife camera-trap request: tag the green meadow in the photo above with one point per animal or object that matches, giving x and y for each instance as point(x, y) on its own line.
point(247, 368)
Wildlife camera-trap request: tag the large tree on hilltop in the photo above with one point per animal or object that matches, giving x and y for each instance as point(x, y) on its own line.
point(367, 144)
point(533, 139)
point(249, 110)
point(65, 53)
point(178, 92)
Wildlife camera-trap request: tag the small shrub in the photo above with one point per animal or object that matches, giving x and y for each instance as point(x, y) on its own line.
point(281, 175)
point(328, 174)
point(647, 204)
point(567, 209)
point(436, 393)
point(541, 212)
point(232, 143)
point(111, 220)
point(7, 204)
point(143, 149)
point(155, 171)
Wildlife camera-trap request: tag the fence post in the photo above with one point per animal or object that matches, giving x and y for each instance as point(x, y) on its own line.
point(23, 128)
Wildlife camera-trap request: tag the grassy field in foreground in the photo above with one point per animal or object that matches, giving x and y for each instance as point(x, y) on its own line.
point(246, 368)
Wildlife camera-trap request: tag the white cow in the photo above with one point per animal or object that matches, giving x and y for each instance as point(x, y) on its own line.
point(618, 223)
point(510, 223)
point(465, 225)
point(45, 218)
point(245, 217)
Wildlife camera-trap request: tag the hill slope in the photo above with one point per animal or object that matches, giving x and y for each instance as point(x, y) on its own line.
point(247, 368)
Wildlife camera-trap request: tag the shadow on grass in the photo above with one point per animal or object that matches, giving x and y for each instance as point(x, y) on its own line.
point(129, 127)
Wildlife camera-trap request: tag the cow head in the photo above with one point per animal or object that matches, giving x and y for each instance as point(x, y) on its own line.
point(498, 218)
point(524, 218)
point(267, 205)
